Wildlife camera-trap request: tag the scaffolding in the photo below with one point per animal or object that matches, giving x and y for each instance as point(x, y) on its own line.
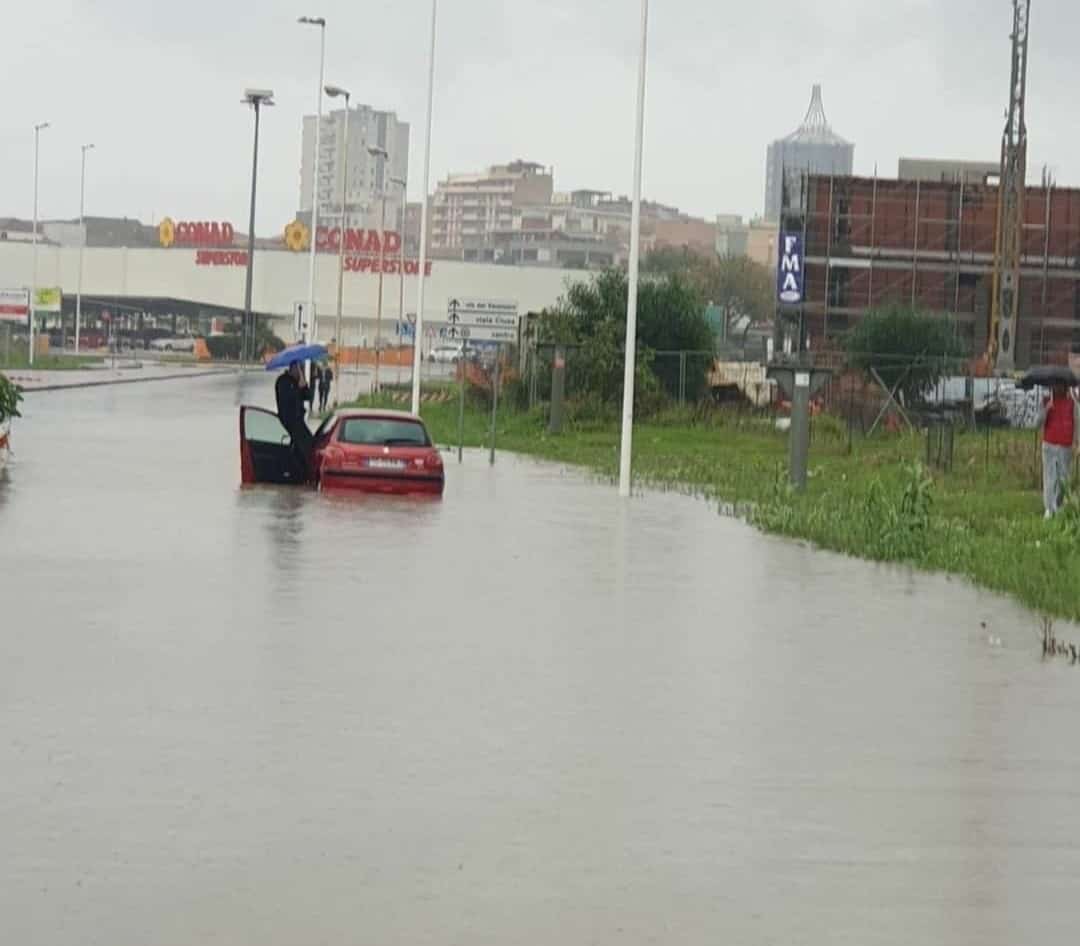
point(871, 242)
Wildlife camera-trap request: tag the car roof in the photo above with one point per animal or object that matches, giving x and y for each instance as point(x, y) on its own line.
point(377, 413)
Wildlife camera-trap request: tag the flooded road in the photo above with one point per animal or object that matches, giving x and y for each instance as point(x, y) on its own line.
point(525, 714)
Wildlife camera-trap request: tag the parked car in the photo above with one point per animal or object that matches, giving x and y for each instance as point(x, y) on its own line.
point(447, 354)
point(370, 450)
point(174, 343)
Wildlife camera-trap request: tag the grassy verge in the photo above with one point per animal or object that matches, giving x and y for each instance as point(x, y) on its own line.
point(874, 499)
point(50, 362)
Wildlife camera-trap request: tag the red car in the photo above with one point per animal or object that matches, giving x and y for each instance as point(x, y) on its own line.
point(371, 450)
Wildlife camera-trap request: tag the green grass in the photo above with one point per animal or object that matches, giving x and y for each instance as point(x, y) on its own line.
point(19, 362)
point(983, 520)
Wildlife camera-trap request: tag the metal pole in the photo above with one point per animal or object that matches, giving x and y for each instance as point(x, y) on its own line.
point(251, 234)
point(321, 23)
point(33, 285)
point(461, 410)
point(494, 403)
point(378, 304)
point(635, 249)
point(82, 244)
point(418, 332)
point(341, 250)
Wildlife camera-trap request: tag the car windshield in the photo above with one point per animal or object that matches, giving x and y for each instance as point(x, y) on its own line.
point(383, 431)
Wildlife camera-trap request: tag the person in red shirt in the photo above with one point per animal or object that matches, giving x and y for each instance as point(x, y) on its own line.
point(1060, 422)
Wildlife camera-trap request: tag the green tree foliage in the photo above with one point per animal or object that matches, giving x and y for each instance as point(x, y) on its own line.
point(906, 347)
point(10, 396)
point(737, 285)
point(592, 318)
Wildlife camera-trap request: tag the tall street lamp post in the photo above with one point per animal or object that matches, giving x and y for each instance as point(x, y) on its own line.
point(257, 99)
point(33, 286)
point(419, 328)
point(82, 244)
point(334, 91)
point(635, 250)
point(380, 153)
point(320, 22)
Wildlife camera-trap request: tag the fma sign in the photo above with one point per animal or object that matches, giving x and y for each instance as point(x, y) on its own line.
point(790, 275)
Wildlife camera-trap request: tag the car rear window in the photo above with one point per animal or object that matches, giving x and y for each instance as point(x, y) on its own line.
point(381, 431)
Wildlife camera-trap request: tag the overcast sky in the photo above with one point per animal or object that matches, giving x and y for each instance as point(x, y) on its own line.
point(156, 85)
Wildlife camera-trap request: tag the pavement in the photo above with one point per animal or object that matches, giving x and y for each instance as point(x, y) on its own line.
point(123, 373)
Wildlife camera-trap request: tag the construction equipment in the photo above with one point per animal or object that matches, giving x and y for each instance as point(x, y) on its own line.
point(1009, 244)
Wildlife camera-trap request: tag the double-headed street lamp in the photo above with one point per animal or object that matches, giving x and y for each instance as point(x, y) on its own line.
point(41, 126)
point(320, 22)
point(257, 99)
point(82, 244)
point(334, 91)
point(380, 153)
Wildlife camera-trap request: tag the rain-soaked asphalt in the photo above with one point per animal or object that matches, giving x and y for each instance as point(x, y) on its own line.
point(526, 714)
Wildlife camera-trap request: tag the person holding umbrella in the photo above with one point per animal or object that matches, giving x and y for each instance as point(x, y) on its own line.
point(292, 393)
point(1059, 421)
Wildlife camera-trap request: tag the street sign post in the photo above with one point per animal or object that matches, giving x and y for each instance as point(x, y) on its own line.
point(481, 320)
point(14, 305)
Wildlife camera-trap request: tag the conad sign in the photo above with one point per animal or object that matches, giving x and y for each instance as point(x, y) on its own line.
point(195, 233)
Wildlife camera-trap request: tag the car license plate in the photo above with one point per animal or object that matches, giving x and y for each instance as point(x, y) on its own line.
point(382, 463)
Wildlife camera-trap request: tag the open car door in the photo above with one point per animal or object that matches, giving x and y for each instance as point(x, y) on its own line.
point(266, 453)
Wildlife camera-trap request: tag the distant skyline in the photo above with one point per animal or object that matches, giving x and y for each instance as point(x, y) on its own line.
point(156, 87)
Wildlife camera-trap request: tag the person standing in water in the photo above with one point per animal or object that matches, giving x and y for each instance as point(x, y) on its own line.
point(1060, 423)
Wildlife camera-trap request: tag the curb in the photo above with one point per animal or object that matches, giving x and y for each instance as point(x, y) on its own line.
point(101, 384)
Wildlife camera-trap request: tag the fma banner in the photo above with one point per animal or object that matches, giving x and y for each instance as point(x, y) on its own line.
point(790, 274)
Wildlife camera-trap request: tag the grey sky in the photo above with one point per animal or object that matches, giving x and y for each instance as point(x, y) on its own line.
point(156, 86)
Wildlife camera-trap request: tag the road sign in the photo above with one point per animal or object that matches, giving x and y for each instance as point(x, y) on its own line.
point(14, 305)
point(301, 318)
point(482, 320)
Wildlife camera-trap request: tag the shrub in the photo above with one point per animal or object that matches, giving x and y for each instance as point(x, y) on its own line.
point(10, 396)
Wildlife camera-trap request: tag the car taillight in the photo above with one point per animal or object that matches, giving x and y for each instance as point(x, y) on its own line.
point(433, 460)
point(332, 455)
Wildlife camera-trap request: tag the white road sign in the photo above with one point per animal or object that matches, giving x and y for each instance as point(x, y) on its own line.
point(14, 305)
point(482, 320)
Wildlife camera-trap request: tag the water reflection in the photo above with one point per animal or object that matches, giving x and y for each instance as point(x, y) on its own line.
point(540, 713)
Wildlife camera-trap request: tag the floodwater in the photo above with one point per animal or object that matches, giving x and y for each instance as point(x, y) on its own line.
point(526, 714)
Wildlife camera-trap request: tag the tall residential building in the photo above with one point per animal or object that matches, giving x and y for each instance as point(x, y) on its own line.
point(469, 207)
point(813, 148)
point(370, 177)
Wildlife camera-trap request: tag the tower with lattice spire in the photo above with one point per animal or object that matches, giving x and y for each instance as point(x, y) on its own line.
point(813, 147)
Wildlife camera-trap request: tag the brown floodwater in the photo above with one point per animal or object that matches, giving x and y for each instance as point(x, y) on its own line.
point(527, 713)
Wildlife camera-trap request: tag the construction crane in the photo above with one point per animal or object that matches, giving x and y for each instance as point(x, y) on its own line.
point(1009, 243)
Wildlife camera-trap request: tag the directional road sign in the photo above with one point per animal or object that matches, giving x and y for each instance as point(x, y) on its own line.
point(482, 320)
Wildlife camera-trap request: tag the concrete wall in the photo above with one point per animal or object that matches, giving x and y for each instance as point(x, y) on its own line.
point(280, 280)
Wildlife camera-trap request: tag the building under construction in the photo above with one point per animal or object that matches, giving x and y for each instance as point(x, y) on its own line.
point(931, 244)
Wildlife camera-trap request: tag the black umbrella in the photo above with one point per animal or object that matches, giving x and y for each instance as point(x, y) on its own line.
point(1046, 376)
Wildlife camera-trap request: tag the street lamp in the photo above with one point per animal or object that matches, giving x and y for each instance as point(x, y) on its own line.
point(82, 244)
point(630, 355)
point(377, 152)
point(33, 287)
point(419, 328)
point(257, 99)
point(334, 91)
point(403, 184)
point(320, 22)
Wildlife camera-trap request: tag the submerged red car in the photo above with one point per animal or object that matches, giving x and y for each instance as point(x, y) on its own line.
point(373, 450)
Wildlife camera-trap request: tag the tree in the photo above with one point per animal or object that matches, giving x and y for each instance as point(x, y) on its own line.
point(592, 317)
point(737, 285)
point(909, 349)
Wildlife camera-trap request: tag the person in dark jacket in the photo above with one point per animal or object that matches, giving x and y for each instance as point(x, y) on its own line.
point(292, 393)
point(326, 378)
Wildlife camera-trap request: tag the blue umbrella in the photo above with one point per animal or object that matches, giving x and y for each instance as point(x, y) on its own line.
point(287, 356)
